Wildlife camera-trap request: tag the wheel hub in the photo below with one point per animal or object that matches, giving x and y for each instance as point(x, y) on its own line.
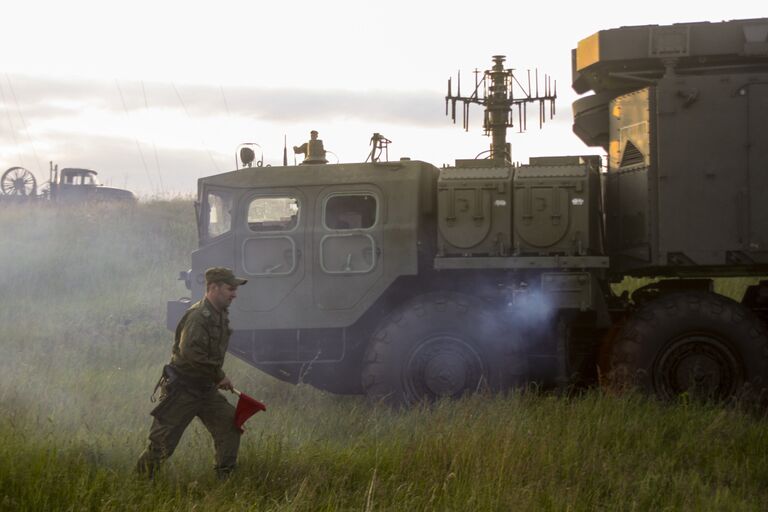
point(19, 186)
point(699, 365)
point(442, 367)
point(445, 374)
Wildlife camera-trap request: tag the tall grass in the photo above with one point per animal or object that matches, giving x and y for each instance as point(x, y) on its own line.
point(82, 340)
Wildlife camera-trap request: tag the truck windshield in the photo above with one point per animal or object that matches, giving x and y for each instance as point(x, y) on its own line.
point(79, 179)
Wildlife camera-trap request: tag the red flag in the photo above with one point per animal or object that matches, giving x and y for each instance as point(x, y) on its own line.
point(246, 407)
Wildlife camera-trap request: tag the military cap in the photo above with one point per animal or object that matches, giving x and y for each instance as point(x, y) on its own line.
point(223, 275)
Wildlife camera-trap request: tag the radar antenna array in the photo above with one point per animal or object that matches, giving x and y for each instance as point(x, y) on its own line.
point(501, 93)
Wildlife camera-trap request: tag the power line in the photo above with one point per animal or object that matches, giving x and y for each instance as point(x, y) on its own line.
point(224, 97)
point(154, 146)
point(24, 123)
point(13, 128)
point(202, 141)
point(138, 146)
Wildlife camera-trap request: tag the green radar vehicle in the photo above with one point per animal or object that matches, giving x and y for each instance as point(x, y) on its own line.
point(409, 283)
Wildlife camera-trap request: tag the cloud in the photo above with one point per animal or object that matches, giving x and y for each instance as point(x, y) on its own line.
point(44, 98)
point(101, 125)
point(158, 137)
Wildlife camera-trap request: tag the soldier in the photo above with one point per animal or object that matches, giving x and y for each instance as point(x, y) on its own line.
point(190, 383)
point(313, 151)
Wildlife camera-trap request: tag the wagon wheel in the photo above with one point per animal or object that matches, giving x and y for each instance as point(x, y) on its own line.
point(17, 181)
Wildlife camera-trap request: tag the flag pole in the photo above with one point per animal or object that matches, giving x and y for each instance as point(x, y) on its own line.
point(236, 391)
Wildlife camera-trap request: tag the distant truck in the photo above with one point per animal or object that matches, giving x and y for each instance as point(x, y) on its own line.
point(68, 185)
point(410, 283)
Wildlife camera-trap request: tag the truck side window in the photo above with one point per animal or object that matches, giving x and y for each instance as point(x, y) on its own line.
point(350, 211)
point(219, 213)
point(273, 214)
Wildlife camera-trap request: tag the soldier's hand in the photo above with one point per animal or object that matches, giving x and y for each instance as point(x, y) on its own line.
point(225, 384)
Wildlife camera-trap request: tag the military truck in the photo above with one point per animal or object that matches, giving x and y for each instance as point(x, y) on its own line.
point(410, 282)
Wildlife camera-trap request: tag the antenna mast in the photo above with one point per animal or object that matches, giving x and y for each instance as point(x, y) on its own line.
point(500, 92)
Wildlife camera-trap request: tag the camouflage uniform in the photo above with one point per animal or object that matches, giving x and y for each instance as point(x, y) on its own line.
point(201, 341)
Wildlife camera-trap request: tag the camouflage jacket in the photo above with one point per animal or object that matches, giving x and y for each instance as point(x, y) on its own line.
point(200, 344)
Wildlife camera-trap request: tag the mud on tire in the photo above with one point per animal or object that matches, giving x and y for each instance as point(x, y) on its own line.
point(695, 343)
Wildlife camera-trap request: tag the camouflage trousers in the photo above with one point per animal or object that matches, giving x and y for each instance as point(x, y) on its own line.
point(174, 414)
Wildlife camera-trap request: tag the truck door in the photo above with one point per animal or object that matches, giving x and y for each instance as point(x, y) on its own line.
point(348, 258)
point(270, 247)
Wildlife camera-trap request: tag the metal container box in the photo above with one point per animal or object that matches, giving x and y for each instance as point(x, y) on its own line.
point(556, 206)
point(474, 211)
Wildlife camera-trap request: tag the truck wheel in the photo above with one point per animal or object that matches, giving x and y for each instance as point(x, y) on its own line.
point(695, 343)
point(437, 346)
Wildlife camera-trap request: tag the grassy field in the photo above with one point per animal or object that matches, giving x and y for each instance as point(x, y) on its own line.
point(82, 341)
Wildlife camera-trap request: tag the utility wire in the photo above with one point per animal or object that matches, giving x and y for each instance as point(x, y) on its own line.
point(202, 141)
point(224, 97)
point(13, 128)
point(138, 146)
point(24, 123)
point(154, 146)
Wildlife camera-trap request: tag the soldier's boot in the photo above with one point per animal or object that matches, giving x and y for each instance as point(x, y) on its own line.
point(224, 472)
point(226, 454)
point(147, 466)
point(218, 416)
point(165, 433)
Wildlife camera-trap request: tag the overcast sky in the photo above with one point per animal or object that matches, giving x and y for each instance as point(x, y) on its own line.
point(155, 94)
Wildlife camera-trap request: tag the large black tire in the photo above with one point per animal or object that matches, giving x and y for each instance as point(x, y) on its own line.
point(698, 344)
point(439, 345)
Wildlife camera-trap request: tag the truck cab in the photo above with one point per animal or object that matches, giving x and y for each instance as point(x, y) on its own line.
point(72, 184)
